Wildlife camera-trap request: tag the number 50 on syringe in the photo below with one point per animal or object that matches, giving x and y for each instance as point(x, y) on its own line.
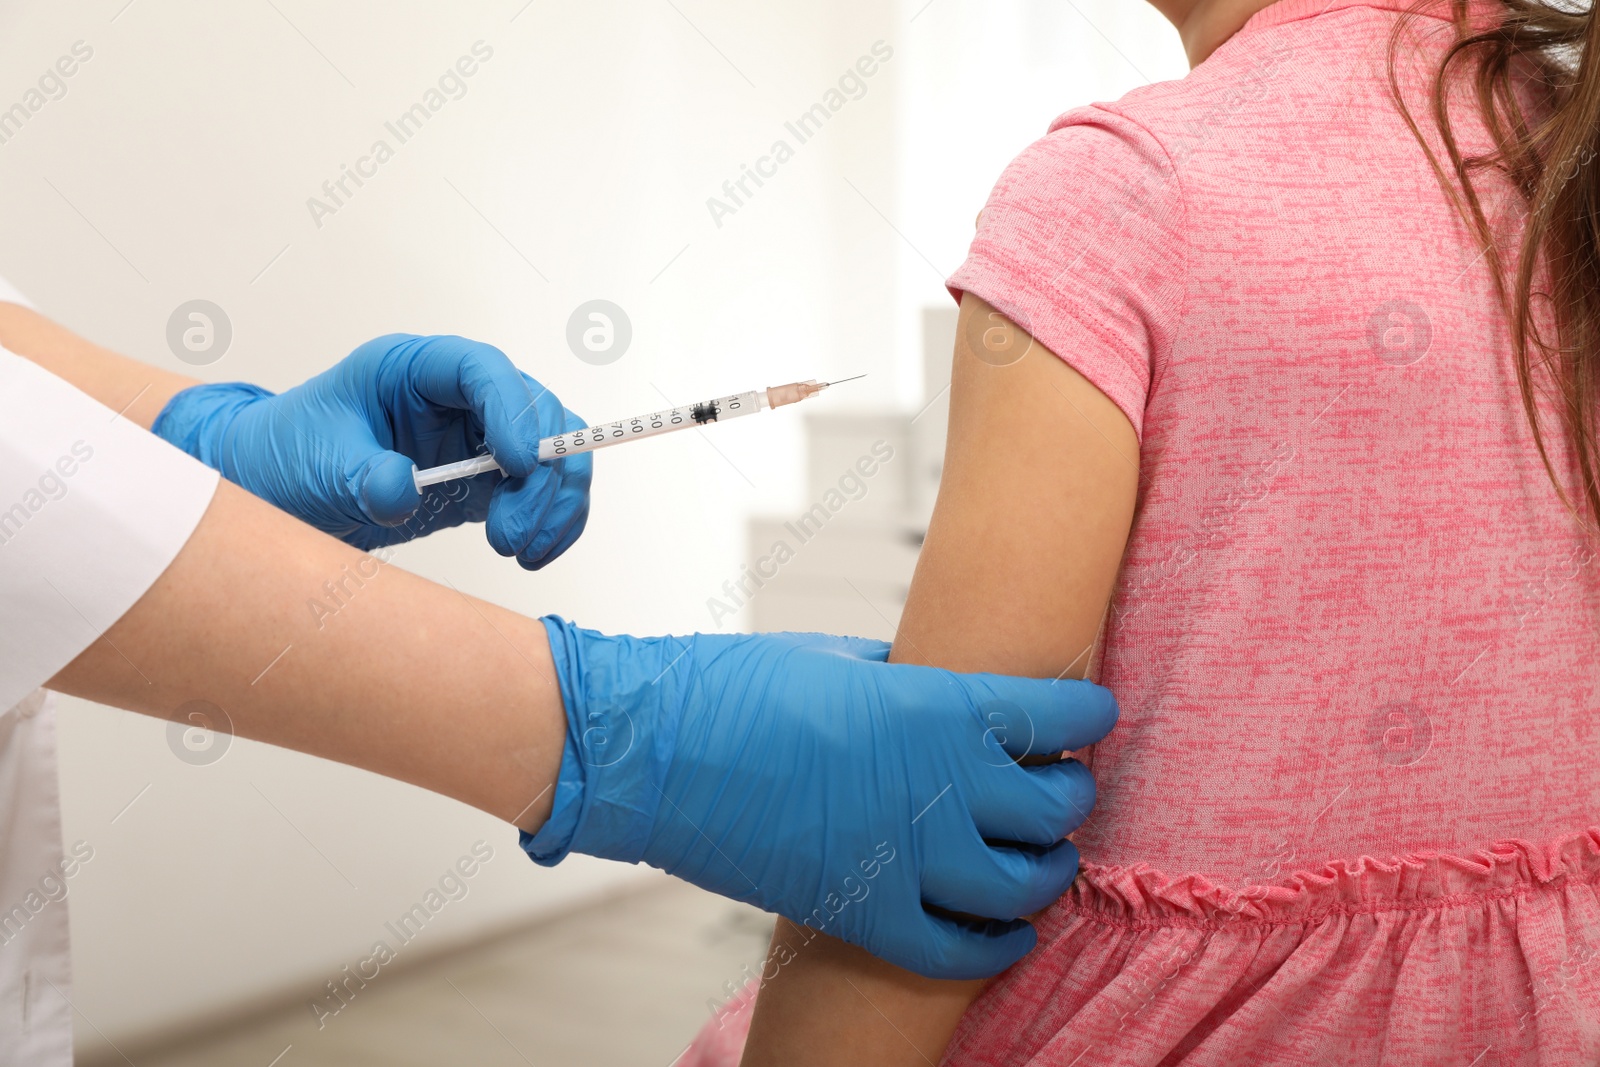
point(590, 438)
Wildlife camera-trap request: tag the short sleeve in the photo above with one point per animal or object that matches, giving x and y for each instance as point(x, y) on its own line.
point(1081, 244)
point(92, 510)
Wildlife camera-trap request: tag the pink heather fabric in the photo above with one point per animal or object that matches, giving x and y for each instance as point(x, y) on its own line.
point(1349, 814)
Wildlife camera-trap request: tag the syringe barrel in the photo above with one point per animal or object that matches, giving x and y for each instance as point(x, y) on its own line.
point(590, 438)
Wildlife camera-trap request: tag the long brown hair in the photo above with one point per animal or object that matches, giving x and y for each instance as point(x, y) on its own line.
point(1534, 68)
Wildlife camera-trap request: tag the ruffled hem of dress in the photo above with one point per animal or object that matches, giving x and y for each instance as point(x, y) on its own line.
point(1139, 895)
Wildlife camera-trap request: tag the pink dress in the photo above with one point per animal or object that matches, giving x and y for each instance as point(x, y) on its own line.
point(1349, 816)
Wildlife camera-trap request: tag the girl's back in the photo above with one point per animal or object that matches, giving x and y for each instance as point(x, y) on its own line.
point(1354, 618)
point(1354, 634)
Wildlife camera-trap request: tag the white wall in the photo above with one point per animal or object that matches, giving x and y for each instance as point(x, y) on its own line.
point(178, 166)
point(985, 80)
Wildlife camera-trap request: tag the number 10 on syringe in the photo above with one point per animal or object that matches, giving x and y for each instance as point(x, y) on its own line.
point(590, 438)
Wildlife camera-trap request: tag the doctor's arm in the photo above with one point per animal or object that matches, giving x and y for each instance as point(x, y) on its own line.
point(138, 390)
point(1034, 509)
point(408, 679)
point(487, 730)
point(338, 450)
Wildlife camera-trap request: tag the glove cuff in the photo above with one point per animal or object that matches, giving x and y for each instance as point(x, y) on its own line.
point(622, 721)
point(196, 419)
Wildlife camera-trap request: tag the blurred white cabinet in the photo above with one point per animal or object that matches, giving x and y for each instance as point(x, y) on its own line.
point(843, 564)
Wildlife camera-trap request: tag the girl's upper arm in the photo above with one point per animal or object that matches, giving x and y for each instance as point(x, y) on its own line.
point(1040, 475)
point(1037, 498)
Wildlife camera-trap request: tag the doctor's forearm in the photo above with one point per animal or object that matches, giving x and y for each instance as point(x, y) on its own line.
point(138, 390)
point(409, 679)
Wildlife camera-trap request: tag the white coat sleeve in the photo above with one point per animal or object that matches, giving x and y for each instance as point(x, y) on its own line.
point(92, 510)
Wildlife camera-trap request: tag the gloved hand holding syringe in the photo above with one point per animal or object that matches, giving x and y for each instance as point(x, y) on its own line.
point(591, 438)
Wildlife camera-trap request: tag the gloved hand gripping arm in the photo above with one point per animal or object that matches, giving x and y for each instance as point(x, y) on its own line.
point(803, 774)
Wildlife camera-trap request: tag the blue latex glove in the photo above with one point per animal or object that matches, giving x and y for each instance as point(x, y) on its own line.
point(804, 775)
point(337, 451)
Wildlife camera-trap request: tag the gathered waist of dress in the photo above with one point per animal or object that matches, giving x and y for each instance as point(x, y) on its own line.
point(1140, 896)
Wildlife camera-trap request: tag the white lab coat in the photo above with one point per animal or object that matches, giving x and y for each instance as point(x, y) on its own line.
point(92, 510)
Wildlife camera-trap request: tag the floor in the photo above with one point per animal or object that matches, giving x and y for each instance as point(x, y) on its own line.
point(624, 982)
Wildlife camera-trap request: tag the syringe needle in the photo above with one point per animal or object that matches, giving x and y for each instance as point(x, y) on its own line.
point(841, 381)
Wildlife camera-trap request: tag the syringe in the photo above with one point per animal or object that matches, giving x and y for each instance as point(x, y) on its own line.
point(590, 438)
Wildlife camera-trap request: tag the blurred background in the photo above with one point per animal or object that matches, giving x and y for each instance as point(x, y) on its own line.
point(197, 154)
